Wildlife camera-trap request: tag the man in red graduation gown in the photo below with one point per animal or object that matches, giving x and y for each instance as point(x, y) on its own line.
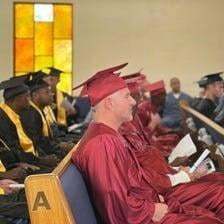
point(165, 179)
point(157, 99)
point(117, 183)
point(175, 185)
point(146, 117)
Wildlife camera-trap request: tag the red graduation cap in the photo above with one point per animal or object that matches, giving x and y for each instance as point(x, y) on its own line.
point(156, 88)
point(103, 84)
point(134, 81)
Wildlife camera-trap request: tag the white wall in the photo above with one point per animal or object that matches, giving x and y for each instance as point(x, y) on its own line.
point(167, 38)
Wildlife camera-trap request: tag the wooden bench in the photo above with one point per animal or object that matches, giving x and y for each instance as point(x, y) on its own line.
point(59, 197)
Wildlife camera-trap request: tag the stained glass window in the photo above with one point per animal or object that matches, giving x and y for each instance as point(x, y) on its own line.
point(43, 38)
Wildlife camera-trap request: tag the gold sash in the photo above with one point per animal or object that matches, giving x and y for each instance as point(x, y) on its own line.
point(46, 127)
point(49, 114)
point(2, 169)
point(25, 142)
point(61, 113)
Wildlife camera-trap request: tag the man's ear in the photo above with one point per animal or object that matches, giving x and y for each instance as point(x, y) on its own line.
point(108, 103)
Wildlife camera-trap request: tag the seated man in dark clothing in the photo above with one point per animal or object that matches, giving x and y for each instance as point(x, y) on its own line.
point(16, 96)
point(196, 100)
point(213, 90)
point(65, 110)
point(35, 123)
point(53, 78)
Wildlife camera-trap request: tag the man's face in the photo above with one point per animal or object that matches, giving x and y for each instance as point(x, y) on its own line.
point(122, 105)
point(217, 89)
point(52, 81)
point(45, 96)
point(175, 85)
point(23, 100)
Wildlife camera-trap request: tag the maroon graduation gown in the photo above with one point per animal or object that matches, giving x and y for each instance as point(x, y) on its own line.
point(207, 192)
point(168, 141)
point(117, 184)
point(149, 136)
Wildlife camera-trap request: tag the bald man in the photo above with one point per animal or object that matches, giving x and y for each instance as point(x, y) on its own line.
point(171, 112)
point(117, 184)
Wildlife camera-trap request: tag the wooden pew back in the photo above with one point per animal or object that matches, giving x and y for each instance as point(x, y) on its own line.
point(59, 197)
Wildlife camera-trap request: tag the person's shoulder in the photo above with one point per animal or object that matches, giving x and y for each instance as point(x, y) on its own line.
point(99, 136)
point(206, 101)
point(30, 110)
point(203, 104)
point(30, 115)
point(103, 140)
point(169, 94)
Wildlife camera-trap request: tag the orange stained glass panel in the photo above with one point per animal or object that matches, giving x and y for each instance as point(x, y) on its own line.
point(24, 20)
point(43, 38)
point(63, 55)
point(24, 55)
point(65, 83)
point(43, 62)
point(63, 21)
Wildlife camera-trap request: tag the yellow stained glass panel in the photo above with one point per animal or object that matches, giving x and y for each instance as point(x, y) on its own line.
point(43, 38)
point(19, 73)
point(63, 21)
point(24, 55)
point(63, 55)
point(43, 62)
point(24, 20)
point(65, 83)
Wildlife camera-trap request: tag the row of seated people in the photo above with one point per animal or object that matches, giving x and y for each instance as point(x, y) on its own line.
point(210, 101)
point(149, 144)
point(124, 162)
point(33, 138)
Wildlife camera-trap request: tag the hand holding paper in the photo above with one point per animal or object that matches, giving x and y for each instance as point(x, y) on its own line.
point(185, 147)
point(199, 160)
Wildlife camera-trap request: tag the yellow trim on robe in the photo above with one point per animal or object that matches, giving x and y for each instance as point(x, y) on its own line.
point(25, 142)
point(46, 128)
point(49, 114)
point(2, 169)
point(61, 113)
point(2, 191)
